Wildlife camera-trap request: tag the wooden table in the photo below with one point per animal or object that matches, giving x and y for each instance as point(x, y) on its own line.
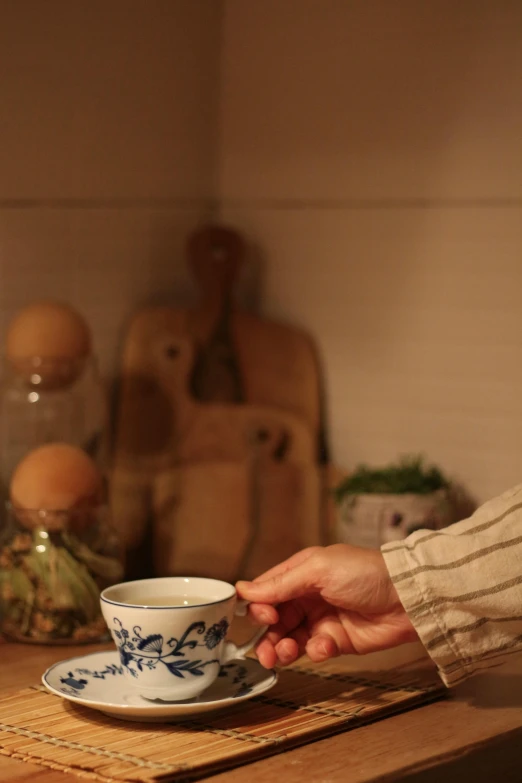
point(472, 736)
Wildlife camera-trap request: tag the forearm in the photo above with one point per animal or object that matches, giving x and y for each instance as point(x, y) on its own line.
point(462, 587)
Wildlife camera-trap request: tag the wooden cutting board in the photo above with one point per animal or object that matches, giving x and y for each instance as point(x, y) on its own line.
point(234, 518)
point(214, 391)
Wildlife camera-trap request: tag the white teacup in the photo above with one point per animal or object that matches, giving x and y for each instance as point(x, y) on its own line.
point(171, 633)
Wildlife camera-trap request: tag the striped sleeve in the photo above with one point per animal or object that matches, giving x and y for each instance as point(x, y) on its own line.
point(462, 587)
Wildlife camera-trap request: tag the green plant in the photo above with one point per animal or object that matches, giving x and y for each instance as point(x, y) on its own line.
point(409, 475)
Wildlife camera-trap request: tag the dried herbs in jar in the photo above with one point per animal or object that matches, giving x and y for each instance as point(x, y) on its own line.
point(55, 563)
point(52, 571)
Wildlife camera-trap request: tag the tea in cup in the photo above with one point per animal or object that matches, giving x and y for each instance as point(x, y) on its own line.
point(171, 633)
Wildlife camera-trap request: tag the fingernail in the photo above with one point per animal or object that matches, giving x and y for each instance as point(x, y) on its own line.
point(320, 650)
point(244, 585)
point(265, 617)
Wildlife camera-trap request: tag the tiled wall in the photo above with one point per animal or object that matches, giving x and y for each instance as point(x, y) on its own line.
point(107, 155)
point(372, 150)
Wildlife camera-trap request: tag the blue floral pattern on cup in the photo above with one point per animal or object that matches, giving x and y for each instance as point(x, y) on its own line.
point(138, 652)
point(216, 633)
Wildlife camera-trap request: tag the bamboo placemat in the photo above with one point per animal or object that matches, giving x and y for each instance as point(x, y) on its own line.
point(305, 705)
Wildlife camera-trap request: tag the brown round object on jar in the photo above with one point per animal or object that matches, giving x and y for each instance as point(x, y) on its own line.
point(56, 486)
point(47, 344)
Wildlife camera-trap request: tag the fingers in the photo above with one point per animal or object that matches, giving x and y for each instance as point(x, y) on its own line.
point(284, 651)
point(287, 651)
point(321, 648)
point(286, 639)
point(290, 617)
point(296, 626)
point(292, 637)
point(266, 654)
point(329, 638)
point(297, 633)
point(263, 614)
point(294, 582)
point(288, 655)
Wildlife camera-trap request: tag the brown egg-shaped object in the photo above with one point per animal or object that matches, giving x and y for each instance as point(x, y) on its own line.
point(56, 486)
point(47, 344)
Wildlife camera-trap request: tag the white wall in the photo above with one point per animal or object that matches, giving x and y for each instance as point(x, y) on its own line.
point(107, 152)
point(372, 150)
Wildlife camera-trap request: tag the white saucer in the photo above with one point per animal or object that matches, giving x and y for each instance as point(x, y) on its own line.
point(96, 680)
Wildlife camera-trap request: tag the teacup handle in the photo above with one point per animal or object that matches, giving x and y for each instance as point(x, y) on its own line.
point(234, 653)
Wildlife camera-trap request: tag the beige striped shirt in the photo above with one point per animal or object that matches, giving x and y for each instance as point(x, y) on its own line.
point(462, 587)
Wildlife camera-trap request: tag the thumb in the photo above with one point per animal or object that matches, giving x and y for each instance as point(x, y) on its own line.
point(296, 582)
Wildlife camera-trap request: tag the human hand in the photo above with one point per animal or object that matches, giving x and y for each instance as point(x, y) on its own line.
point(326, 601)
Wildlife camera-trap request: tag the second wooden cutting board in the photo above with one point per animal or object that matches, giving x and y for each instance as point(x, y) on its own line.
point(214, 391)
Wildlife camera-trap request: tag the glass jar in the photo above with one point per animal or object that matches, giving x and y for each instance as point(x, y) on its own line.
point(50, 400)
point(53, 566)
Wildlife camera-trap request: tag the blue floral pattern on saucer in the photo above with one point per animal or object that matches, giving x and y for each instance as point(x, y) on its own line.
point(77, 682)
point(97, 680)
point(74, 681)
